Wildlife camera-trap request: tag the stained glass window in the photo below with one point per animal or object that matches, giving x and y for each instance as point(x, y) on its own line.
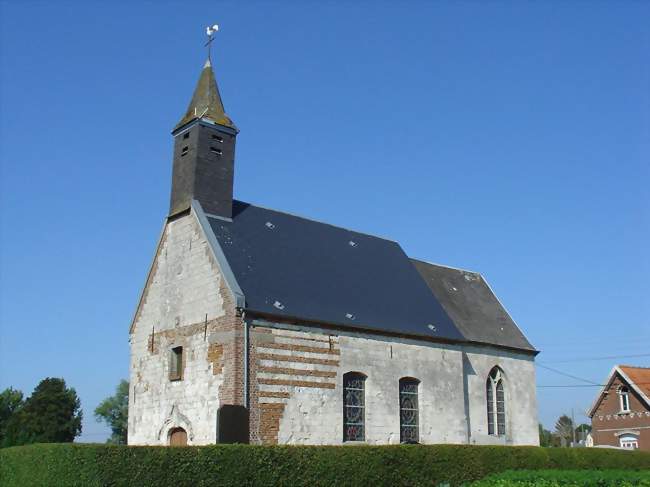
point(408, 411)
point(354, 402)
point(490, 406)
point(496, 403)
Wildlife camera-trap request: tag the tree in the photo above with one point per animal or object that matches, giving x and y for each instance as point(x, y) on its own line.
point(114, 411)
point(11, 400)
point(52, 414)
point(545, 436)
point(564, 429)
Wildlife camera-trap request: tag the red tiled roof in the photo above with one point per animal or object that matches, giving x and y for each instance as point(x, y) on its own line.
point(640, 376)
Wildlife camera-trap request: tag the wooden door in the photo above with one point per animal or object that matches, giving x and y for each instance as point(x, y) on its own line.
point(178, 437)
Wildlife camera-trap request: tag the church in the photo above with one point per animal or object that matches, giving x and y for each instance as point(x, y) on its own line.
point(259, 326)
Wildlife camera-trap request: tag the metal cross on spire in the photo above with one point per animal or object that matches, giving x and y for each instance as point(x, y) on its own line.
point(210, 31)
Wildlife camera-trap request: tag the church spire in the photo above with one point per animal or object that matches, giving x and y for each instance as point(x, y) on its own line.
point(204, 150)
point(206, 102)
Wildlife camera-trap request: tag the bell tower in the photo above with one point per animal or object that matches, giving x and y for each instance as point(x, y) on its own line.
point(204, 152)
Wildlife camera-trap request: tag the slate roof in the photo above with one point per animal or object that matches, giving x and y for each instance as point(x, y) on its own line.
point(206, 102)
point(473, 307)
point(299, 269)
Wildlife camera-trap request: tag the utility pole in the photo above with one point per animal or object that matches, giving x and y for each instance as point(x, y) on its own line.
point(573, 422)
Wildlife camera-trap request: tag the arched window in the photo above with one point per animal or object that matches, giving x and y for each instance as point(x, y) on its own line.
point(496, 403)
point(409, 420)
point(354, 404)
point(624, 394)
point(629, 441)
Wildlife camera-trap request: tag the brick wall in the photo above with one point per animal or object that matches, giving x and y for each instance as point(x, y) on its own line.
point(609, 423)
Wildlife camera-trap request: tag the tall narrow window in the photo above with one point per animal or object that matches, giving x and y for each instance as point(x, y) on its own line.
point(408, 410)
point(354, 403)
point(496, 403)
point(625, 399)
point(176, 364)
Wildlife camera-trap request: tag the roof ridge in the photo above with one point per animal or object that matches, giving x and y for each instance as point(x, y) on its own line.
point(318, 221)
point(446, 266)
point(633, 366)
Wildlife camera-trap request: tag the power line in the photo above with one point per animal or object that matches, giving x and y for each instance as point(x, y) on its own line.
point(589, 385)
point(610, 357)
point(566, 375)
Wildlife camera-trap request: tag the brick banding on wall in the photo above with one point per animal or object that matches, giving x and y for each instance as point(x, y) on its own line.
point(296, 383)
point(302, 360)
point(295, 350)
point(302, 348)
point(290, 371)
point(274, 394)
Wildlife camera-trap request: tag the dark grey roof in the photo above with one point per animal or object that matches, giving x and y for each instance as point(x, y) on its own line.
point(296, 268)
point(471, 304)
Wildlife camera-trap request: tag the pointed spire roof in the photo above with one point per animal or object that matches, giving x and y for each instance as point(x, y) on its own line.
point(206, 101)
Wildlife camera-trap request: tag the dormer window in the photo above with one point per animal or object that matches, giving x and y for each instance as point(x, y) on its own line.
point(624, 395)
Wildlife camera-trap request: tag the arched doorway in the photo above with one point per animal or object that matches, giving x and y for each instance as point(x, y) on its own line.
point(177, 437)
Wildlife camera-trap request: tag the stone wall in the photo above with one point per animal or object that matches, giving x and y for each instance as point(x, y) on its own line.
point(297, 382)
point(185, 303)
point(296, 372)
point(522, 427)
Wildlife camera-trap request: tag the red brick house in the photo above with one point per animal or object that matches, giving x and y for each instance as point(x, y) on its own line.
point(620, 415)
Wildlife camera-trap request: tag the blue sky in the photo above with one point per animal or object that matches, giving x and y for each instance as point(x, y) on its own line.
point(511, 138)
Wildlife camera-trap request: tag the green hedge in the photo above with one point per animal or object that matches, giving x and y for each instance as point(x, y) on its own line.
point(105, 465)
point(567, 478)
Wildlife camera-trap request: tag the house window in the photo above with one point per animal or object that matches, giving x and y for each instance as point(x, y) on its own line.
point(629, 441)
point(624, 395)
point(496, 403)
point(354, 403)
point(176, 364)
point(408, 410)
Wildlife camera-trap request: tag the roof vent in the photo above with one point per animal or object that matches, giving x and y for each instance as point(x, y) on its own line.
point(278, 305)
point(432, 328)
point(350, 316)
point(269, 225)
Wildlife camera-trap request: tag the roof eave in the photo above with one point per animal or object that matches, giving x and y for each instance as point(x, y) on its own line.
point(366, 329)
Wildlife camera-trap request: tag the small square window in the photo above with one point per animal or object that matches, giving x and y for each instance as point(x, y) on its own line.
point(186, 135)
point(217, 138)
point(176, 364)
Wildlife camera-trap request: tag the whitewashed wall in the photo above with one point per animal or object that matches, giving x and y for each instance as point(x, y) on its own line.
point(522, 427)
point(183, 288)
point(450, 392)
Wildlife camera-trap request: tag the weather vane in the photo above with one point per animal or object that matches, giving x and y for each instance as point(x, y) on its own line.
point(210, 30)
